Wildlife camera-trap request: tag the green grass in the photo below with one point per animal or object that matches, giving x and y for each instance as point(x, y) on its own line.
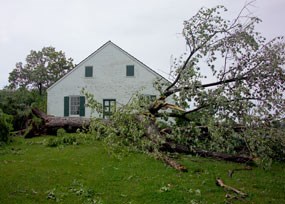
point(31, 172)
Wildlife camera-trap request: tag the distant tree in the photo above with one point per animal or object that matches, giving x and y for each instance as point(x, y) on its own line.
point(41, 70)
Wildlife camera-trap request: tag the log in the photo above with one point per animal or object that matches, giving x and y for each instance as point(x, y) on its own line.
point(179, 148)
point(224, 156)
point(74, 122)
point(52, 123)
point(175, 148)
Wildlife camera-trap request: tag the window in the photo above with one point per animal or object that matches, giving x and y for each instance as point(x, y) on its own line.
point(109, 107)
point(130, 70)
point(74, 105)
point(88, 71)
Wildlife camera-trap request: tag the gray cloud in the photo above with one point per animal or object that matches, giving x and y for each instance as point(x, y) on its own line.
point(148, 29)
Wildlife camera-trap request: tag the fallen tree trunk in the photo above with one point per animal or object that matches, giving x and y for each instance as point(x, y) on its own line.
point(224, 156)
point(153, 133)
point(74, 122)
point(51, 123)
point(179, 148)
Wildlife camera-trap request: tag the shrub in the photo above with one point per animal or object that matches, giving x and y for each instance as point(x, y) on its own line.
point(19, 103)
point(5, 126)
point(53, 142)
point(60, 132)
point(63, 140)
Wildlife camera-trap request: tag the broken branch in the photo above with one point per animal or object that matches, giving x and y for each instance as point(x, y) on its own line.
point(220, 183)
point(231, 172)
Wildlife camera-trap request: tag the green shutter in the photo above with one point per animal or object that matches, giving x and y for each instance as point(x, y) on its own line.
point(66, 106)
point(89, 71)
point(82, 106)
point(130, 69)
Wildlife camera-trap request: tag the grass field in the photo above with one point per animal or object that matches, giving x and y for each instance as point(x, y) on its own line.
point(31, 172)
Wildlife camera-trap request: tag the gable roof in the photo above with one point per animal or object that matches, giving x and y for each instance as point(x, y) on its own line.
point(97, 51)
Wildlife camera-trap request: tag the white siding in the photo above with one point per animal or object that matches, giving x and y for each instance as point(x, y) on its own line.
point(109, 79)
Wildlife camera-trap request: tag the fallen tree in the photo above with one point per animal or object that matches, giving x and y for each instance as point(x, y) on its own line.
point(43, 124)
point(50, 125)
point(248, 90)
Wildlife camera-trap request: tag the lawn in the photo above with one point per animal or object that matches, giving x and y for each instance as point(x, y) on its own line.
point(31, 172)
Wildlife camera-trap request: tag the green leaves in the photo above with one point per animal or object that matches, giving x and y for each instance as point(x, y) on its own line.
point(247, 88)
point(41, 70)
point(248, 69)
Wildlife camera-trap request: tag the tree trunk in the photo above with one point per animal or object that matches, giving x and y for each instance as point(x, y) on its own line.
point(224, 156)
point(51, 124)
point(153, 133)
point(179, 148)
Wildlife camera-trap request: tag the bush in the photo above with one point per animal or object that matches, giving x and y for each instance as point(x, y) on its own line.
point(60, 132)
point(6, 126)
point(62, 140)
point(19, 103)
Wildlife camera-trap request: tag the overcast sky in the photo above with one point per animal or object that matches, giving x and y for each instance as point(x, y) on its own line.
point(149, 29)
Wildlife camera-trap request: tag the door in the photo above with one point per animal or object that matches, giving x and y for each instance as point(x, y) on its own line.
point(109, 107)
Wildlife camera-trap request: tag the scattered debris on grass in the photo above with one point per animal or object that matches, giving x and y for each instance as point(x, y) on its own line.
point(220, 183)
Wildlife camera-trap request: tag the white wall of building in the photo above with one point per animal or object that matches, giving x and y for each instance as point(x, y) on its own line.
point(109, 79)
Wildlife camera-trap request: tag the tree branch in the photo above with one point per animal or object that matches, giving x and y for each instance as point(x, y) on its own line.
point(184, 114)
point(188, 59)
point(220, 183)
point(179, 74)
point(170, 92)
